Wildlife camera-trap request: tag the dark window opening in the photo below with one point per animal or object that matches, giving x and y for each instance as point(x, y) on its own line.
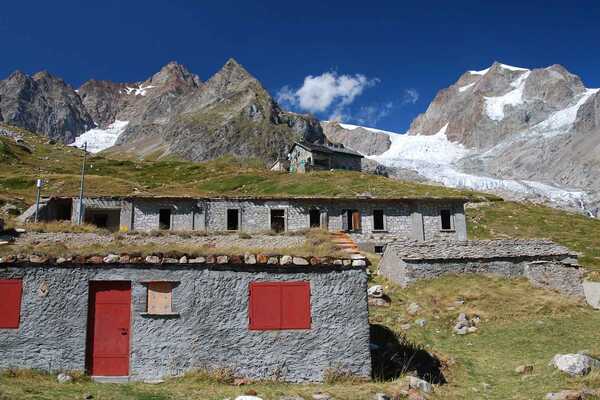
point(446, 217)
point(233, 222)
point(164, 219)
point(315, 218)
point(378, 223)
point(378, 249)
point(278, 220)
point(63, 211)
point(100, 220)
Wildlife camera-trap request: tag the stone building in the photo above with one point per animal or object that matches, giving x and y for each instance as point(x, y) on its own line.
point(370, 221)
point(139, 318)
point(544, 263)
point(305, 157)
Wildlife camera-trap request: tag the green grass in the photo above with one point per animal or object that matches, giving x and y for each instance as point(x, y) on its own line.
point(499, 220)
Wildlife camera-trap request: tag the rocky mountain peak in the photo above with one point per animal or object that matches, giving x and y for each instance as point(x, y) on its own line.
point(174, 73)
point(231, 77)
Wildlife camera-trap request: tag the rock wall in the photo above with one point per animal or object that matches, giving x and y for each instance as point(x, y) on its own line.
point(545, 272)
point(210, 330)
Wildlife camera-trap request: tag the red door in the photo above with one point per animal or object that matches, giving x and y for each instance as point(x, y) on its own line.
point(108, 328)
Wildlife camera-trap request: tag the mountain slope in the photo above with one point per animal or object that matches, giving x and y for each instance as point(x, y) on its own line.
point(43, 103)
point(531, 134)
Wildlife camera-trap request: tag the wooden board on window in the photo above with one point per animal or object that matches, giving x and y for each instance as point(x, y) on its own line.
point(356, 220)
point(160, 298)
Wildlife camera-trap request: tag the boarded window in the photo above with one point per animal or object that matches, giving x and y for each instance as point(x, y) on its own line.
point(279, 305)
point(233, 222)
point(278, 220)
point(10, 303)
point(446, 217)
point(378, 223)
point(160, 298)
point(164, 219)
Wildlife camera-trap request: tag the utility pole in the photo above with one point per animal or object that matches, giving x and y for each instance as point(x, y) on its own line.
point(38, 184)
point(80, 216)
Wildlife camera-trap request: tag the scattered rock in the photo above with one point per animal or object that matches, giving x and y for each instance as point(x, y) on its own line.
point(88, 396)
point(197, 260)
point(111, 259)
point(300, 261)
point(465, 325)
point(153, 260)
point(291, 398)
point(420, 384)
point(244, 397)
point(249, 259)
point(405, 327)
point(222, 259)
point(359, 263)
point(421, 322)
point(574, 364)
point(61, 260)
point(286, 260)
point(250, 392)
point(565, 395)
point(379, 301)
point(413, 308)
point(240, 381)
point(524, 369)
point(381, 396)
point(321, 396)
point(64, 378)
point(375, 291)
point(154, 381)
point(183, 260)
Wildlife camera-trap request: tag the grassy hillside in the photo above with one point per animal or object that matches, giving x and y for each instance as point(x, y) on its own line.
point(60, 166)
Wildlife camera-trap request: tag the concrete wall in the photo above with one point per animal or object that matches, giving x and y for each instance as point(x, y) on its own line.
point(211, 329)
point(544, 272)
point(302, 160)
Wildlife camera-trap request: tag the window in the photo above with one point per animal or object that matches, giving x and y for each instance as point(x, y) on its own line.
point(278, 220)
point(10, 303)
point(233, 223)
point(378, 223)
point(160, 298)
point(314, 216)
point(446, 217)
point(378, 249)
point(164, 219)
point(279, 305)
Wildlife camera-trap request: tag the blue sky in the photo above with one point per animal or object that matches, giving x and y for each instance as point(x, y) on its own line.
point(380, 63)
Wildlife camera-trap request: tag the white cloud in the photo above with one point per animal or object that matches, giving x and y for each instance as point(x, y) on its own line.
point(371, 114)
point(410, 96)
point(326, 91)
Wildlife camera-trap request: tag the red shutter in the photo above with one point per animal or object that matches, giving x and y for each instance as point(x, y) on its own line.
point(279, 305)
point(10, 303)
point(295, 302)
point(265, 306)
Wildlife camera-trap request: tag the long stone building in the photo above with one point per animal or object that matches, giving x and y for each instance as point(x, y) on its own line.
point(367, 219)
point(138, 318)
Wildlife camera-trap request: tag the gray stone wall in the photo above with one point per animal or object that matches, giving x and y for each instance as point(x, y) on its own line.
point(211, 329)
point(146, 213)
point(550, 273)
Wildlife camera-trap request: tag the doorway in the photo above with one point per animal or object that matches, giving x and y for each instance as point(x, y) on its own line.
point(314, 216)
point(351, 220)
point(109, 319)
point(164, 219)
point(278, 220)
point(233, 220)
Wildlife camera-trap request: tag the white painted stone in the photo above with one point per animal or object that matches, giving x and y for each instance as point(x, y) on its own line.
point(420, 384)
point(111, 259)
point(359, 263)
point(375, 291)
point(300, 261)
point(64, 378)
point(285, 260)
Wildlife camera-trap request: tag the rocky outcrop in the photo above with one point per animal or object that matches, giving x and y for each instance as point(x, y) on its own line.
point(364, 141)
point(45, 104)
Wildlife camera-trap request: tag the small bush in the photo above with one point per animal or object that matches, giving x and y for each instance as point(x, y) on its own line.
point(214, 375)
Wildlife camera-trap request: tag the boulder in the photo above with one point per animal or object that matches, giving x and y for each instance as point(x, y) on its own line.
point(286, 260)
point(420, 384)
point(413, 308)
point(375, 291)
point(300, 261)
point(249, 258)
point(111, 259)
point(592, 293)
point(574, 364)
point(321, 396)
point(565, 395)
point(64, 378)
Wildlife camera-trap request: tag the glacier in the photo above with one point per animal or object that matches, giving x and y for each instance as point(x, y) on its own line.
point(99, 139)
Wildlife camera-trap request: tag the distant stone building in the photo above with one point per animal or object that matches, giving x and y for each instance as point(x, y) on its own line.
point(305, 157)
point(544, 263)
point(132, 317)
point(370, 221)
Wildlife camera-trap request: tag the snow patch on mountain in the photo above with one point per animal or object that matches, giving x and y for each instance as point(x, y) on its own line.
point(138, 91)
point(98, 139)
point(466, 87)
point(562, 121)
point(494, 106)
point(351, 127)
